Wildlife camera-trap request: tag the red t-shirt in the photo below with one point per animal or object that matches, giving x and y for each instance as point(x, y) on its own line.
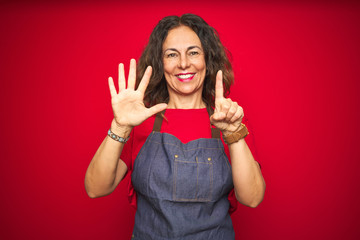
point(186, 125)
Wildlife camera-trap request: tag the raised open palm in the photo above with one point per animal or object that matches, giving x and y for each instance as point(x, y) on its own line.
point(127, 104)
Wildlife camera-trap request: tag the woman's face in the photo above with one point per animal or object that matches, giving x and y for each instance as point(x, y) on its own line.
point(184, 62)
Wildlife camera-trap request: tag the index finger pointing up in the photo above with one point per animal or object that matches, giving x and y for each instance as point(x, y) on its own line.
point(219, 89)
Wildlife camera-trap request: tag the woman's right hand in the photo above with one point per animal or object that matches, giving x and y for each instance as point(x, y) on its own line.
point(127, 104)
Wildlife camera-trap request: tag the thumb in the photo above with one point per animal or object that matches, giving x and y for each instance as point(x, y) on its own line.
point(217, 116)
point(212, 120)
point(156, 108)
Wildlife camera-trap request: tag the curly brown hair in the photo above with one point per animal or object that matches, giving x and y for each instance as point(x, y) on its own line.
point(216, 58)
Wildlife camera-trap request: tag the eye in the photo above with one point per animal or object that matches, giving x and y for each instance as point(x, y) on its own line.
point(193, 53)
point(171, 55)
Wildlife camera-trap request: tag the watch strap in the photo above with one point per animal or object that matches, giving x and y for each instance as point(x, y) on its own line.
point(236, 136)
point(117, 138)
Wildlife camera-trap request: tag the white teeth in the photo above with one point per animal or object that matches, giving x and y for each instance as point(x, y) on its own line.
point(186, 76)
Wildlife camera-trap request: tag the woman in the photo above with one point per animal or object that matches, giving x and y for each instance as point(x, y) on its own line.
point(182, 178)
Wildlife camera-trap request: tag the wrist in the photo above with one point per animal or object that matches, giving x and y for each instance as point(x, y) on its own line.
point(120, 130)
point(226, 133)
point(232, 137)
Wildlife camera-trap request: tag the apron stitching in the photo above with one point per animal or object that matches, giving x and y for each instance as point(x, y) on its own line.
point(197, 178)
point(174, 180)
point(192, 149)
point(211, 180)
point(142, 148)
point(224, 157)
point(194, 200)
point(209, 163)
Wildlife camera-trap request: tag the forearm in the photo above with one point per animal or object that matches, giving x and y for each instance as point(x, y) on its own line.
point(105, 170)
point(248, 181)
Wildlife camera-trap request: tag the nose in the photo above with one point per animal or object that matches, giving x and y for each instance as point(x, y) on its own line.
point(184, 61)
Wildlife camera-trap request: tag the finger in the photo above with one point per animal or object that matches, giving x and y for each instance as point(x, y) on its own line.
point(132, 74)
point(218, 116)
point(145, 80)
point(112, 87)
point(156, 108)
point(219, 89)
point(224, 106)
point(121, 77)
point(232, 110)
point(238, 116)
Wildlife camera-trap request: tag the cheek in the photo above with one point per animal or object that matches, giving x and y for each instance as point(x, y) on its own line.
point(167, 67)
point(167, 72)
point(201, 65)
point(203, 69)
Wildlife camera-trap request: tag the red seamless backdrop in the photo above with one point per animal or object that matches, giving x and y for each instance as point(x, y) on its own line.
point(296, 75)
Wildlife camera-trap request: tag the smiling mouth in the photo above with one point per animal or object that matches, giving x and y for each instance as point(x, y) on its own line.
point(185, 77)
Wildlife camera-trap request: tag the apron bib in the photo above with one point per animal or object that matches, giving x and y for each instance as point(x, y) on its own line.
point(182, 189)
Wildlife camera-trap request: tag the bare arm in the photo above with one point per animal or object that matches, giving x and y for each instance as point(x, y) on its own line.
point(106, 169)
point(248, 181)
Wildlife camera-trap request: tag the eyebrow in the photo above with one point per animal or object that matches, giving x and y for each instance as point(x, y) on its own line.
point(189, 48)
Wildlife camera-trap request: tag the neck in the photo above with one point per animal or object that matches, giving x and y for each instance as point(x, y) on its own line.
point(185, 102)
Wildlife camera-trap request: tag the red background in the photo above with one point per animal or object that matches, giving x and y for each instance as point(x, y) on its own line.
point(297, 77)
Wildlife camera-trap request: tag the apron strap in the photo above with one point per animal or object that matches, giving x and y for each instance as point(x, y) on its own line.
point(158, 121)
point(215, 132)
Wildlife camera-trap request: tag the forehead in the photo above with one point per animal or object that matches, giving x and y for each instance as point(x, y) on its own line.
point(181, 38)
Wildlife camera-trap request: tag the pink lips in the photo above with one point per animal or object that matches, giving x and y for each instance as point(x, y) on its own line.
point(182, 77)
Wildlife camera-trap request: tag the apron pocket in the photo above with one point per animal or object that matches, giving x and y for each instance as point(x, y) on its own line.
point(193, 180)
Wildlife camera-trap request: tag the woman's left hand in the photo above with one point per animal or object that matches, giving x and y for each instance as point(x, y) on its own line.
point(228, 114)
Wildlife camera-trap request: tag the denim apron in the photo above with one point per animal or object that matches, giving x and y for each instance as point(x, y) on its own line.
point(182, 189)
